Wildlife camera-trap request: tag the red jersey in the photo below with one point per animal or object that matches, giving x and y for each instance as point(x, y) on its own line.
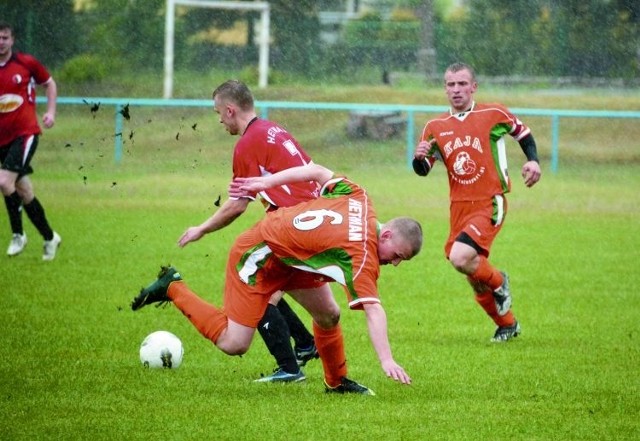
point(266, 148)
point(471, 145)
point(18, 78)
point(335, 235)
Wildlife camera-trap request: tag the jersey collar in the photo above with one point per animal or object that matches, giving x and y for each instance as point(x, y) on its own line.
point(462, 115)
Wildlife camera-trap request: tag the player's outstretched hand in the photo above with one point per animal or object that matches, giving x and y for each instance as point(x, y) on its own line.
point(531, 173)
point(395, 371)
point(244, 187)
point(191, 235)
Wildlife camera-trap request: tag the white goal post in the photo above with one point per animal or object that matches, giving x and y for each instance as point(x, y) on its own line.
point(263, 7)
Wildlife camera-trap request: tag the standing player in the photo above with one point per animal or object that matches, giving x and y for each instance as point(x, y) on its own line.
point(335, 237)
point(264, 148)
point(469, 141)
point(19, 133)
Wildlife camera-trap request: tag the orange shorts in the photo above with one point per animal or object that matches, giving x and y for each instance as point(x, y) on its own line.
point(480, 220)
point(253, 274)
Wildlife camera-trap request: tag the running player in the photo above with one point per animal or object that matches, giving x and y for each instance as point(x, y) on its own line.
point(468, 139)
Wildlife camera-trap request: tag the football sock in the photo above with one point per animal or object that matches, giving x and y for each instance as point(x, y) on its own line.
point(275, 333)
point(330, 345)
point(14, 204)
point(35, 212)
point(487, 302)
point(208, 320)
point(487, 274)
point(302, 337)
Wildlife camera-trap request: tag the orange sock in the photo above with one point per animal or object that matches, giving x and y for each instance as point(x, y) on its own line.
point(208, 320)
point(330, 344)
point(487, 274)
point(485, 300)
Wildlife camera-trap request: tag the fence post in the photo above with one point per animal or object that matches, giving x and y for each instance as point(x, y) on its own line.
point(118, 134)
point(410, 137)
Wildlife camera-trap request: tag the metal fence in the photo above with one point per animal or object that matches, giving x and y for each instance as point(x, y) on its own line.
point(408, 111)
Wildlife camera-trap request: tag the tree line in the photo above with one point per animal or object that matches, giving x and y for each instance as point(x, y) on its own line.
point(578, 38)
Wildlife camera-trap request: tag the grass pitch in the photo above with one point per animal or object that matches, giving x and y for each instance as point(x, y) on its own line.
point(70, 342)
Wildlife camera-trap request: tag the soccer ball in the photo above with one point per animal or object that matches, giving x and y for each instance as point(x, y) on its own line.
point(161, 349)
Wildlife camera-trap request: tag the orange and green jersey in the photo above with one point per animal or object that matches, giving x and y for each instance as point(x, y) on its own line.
point(335, 235)
point(471, 145)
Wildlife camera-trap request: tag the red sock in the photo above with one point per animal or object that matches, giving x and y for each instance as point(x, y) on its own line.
point(487, 274)
point(330, 344)
point(208, 320)
point(486, 301)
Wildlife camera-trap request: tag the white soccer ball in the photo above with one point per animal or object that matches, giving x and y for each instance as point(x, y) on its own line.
point(161, 349)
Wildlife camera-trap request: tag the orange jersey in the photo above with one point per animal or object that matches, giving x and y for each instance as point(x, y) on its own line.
point(471, 145)
point(335, 235)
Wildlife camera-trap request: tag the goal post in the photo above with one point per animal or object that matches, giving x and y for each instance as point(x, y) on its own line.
point(263, 63)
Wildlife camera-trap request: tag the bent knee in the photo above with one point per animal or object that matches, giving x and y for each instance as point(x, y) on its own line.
point(7, 184)
point(233, 344)
point(329, 319)
point(458, 264)
point(234, 348)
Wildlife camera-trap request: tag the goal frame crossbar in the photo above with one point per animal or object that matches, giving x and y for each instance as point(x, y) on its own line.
point(265, 17)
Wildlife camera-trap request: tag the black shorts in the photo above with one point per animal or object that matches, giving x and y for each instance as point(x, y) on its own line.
point(16, 156)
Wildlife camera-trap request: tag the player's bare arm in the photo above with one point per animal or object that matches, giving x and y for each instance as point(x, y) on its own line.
point(242, 187)
point(377, 324)
point(228, 212)
point(51, 91)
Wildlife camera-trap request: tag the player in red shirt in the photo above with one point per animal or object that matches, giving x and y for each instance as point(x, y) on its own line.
point(264, 148)
point(19, 133)
point(469, 140)
point(335, 237)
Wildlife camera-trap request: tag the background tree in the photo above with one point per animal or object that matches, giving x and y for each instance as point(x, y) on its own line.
point(295, 27)
point(125, 32)
point(44, 28)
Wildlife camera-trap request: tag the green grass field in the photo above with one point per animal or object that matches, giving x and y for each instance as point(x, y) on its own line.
point(70, 342)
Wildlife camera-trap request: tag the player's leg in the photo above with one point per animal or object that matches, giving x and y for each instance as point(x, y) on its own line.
point(491, 292)
point(230, 337)
point(32, 206)
point(275, 333)
point(210, 321)
point(326, 330)
point(304, 346)
point(10, 157)
point(13, 204)
point(320, 303)
point(468, 254)
point(466, 259)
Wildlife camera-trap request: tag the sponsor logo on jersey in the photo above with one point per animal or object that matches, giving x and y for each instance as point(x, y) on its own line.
point(458, 143)
point(464, 165)
point(10, 102)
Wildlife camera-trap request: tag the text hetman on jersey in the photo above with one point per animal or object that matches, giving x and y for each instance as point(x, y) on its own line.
point(355, 221)
point(271, 134)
